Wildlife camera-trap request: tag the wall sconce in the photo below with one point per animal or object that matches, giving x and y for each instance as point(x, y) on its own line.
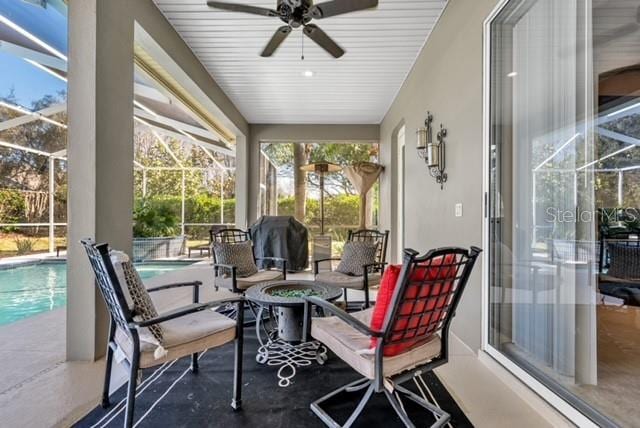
point(432, 153)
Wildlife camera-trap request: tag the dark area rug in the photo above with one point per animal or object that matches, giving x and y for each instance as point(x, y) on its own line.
point(172, 396)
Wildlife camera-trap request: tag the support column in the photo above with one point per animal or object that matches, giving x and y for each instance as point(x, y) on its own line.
point(182, 185)
point(100, 157)
point(52, 216)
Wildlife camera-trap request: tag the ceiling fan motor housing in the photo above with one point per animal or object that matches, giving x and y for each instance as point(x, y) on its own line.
point(295, 12)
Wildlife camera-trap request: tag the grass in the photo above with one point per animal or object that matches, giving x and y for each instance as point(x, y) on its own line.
point(9, 248)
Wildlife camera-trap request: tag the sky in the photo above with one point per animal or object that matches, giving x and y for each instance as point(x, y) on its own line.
point(28, 82)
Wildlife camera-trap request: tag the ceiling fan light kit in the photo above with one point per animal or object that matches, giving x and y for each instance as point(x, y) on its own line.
point(299, 13)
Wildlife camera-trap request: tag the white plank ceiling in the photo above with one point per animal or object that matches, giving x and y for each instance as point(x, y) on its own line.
point(381, 46)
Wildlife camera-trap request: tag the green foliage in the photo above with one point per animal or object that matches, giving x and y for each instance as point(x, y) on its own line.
point(198, 209)
point(154, 220)
point(342, 210)
point(11, 206)
point(24, 245)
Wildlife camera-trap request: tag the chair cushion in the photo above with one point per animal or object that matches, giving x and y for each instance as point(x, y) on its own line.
point(238, 254)
point(342, 280)
point(244, 283)
point(137, 297)
point(353, 347)
point(183, 336)
point(383, 300)
point(355, 255)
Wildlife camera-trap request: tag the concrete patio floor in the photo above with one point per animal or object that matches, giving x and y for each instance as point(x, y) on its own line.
point(39, 389)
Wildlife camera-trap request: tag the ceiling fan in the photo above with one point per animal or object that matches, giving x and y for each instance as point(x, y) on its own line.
point(299, 13)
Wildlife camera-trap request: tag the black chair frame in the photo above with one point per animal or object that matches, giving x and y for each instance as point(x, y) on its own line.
point(363, 235)
point(464, 262)
point(234, 236)
point(123, 318)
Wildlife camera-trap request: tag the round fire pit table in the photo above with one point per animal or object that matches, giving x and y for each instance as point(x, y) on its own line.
point(280, 335)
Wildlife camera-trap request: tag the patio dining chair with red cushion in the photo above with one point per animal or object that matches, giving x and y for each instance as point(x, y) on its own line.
point(403, 336)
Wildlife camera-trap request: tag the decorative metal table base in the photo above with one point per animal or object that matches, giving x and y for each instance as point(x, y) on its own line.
point(288, 356)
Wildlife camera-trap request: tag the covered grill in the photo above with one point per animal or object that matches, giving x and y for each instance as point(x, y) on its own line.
point(281, 236)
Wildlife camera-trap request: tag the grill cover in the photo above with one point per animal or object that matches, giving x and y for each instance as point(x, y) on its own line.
point(281, 236)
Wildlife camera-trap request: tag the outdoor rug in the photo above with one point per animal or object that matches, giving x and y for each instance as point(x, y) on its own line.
point(172, 396)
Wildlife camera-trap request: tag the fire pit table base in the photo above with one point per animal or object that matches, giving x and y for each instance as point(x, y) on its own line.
point(280, 334)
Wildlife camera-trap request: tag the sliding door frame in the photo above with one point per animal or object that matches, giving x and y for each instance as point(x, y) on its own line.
point(559, 402)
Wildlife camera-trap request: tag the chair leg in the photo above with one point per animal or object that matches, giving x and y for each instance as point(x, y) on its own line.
point(399, 410)
point(236, 402)
point(353, 386)
point(366, 296)
point(194, 363)
point(346, 303)
point(131, 391)
point(442, 417)
point(107, 377)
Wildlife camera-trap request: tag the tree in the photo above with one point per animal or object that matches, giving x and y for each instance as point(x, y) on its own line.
point(301, 153)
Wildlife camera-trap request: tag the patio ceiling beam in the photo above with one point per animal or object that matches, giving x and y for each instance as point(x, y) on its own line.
point(214, 160)
point(148, 114)
point(23, 32)
point(37, 115)
point(183, 138)
point(150, 92)
point(30, 150)
point(618, 136)
point(21, 120)
point(50, 71)
point(39, 57)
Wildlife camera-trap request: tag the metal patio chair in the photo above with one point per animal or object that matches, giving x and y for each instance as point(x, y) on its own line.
point(418, 319)
point(226, 275)
point(213, 329)
point(372, 272)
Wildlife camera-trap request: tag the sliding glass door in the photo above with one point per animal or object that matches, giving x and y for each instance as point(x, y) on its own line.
point(563, 129)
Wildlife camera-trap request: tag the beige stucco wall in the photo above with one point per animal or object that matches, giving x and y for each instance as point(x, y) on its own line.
point(298, 133)
point(447, 80)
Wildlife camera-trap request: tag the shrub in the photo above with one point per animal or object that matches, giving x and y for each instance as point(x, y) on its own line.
point(12, 206)
point(154, 220)
point(24, 245)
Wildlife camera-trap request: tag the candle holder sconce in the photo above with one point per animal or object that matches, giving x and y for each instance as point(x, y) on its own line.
point(432, 153)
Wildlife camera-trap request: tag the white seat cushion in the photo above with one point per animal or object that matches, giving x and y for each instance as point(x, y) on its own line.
point(184, 336)
point(353, 347)
point(244, 283)
point(342, 280)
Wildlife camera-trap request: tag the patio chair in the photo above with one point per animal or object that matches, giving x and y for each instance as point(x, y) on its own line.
point(371, 272)
point(619, 267)
point(187, 331)
point(226, 275)
point(412, 338)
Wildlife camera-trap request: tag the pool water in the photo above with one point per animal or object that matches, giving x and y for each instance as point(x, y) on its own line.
point(29, 290)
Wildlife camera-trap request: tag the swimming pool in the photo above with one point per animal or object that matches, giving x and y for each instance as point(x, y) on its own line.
point(35, 288)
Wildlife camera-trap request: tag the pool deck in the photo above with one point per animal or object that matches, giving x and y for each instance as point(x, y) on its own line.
point(38, 388)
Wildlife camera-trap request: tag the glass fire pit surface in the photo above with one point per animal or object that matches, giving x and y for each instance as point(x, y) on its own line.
point(280, 335)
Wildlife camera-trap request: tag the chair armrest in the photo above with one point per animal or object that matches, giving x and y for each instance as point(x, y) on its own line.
point(283, 264)
point(175, 285)
point(195, 284)
point(317, 262)
point(380, 265)
point(336, 311)
point(185, 310)
point(233, 270)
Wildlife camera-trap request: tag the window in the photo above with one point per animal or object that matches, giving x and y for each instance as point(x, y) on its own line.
point(563, 208)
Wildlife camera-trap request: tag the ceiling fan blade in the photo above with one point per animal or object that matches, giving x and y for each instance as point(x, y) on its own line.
point(338, 7)
point(323, 40)
point(235, 7)
point(276, 40)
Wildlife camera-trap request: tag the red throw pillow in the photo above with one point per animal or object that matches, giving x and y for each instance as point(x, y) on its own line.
point(383, 300)
point(434, 303)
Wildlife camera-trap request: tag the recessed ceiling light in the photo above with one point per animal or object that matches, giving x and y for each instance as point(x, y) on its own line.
point(512, 74)
point(308, 73)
